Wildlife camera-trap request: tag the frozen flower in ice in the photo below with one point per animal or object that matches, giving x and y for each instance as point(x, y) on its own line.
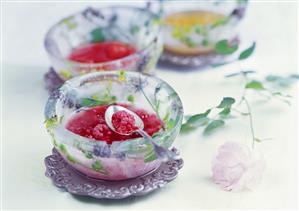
point(103, 151)
point(143, 62)
point(237, 167)
point(137, 84)
point(90, 12)
point(120, 156)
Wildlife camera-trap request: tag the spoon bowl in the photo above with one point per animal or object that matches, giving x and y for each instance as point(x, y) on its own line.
point(111, 110)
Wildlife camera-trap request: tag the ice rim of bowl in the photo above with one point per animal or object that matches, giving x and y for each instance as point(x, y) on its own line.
point(142, 51)
point(73, 82)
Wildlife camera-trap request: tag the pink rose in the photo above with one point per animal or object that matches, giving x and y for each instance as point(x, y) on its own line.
point(237, 167)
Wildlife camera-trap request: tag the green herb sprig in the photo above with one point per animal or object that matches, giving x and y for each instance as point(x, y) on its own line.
point(228, 107)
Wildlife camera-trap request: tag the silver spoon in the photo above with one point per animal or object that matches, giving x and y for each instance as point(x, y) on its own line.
point(161, 153)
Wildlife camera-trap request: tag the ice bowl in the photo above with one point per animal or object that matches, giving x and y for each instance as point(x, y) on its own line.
point(122, 159)
point(192, 28)
point(136, 26)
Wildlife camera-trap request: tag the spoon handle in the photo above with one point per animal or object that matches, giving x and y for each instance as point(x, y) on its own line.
point(161, 152)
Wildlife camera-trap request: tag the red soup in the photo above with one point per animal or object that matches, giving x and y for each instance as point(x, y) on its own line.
point(91, 123)
point(101, 52)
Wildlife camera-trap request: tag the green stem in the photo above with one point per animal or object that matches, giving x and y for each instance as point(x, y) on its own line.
point(250, 121)
point(264, 95)
point(242, 99)
point(153, 107)
point(240, 112)
point(244, 90)
point(280, 98)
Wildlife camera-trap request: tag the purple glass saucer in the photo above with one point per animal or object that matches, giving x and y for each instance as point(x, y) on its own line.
point(190, 61)
point(64, 176)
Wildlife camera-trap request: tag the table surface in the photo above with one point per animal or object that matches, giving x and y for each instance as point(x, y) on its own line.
point(25, 142)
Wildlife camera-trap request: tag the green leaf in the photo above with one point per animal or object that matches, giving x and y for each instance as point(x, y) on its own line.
point(97, 35)
point(112, 99)
point(71, 158)
point(188, 41)
point(186, 128)
point(134, 29)
point(226, 102)
point(248, 52)
point(64, 151)
point(220, 22)
point(150, 157)
point(97, 166)
point(122, 76)
point(51, 122)
point(212, 126)
point(282, 81)
point(88, 155)
point(177, 33)
point(186, 117)
point(205, 42)
point(156, 20)
point(257, 85)
point(198, 29)
point(172, 95)
point(131, 98)
point(157, 105)
point(225, 112)
point(69, 22)
point(204, 31)
point(62, 148)
point(207, 112)
point(89, 102)
point(281, 94)
point(286, 101)
point(170, 124)
point(66, 74)
point(166, 117)
point(272, 78)
point(157, 134)
point(295, 76)
point(223, 47)
point(194, 121)
point(257, 140)
point(285, 82)
point(219, 64)
point(242, 1)
point(198, 119)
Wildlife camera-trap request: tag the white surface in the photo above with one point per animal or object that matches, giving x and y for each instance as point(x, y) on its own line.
point(25, 142)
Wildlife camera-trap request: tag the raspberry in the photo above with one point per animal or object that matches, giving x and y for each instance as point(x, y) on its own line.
point(152, 124)
point(102, 132)
point(142, 114)
point(123, 122)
